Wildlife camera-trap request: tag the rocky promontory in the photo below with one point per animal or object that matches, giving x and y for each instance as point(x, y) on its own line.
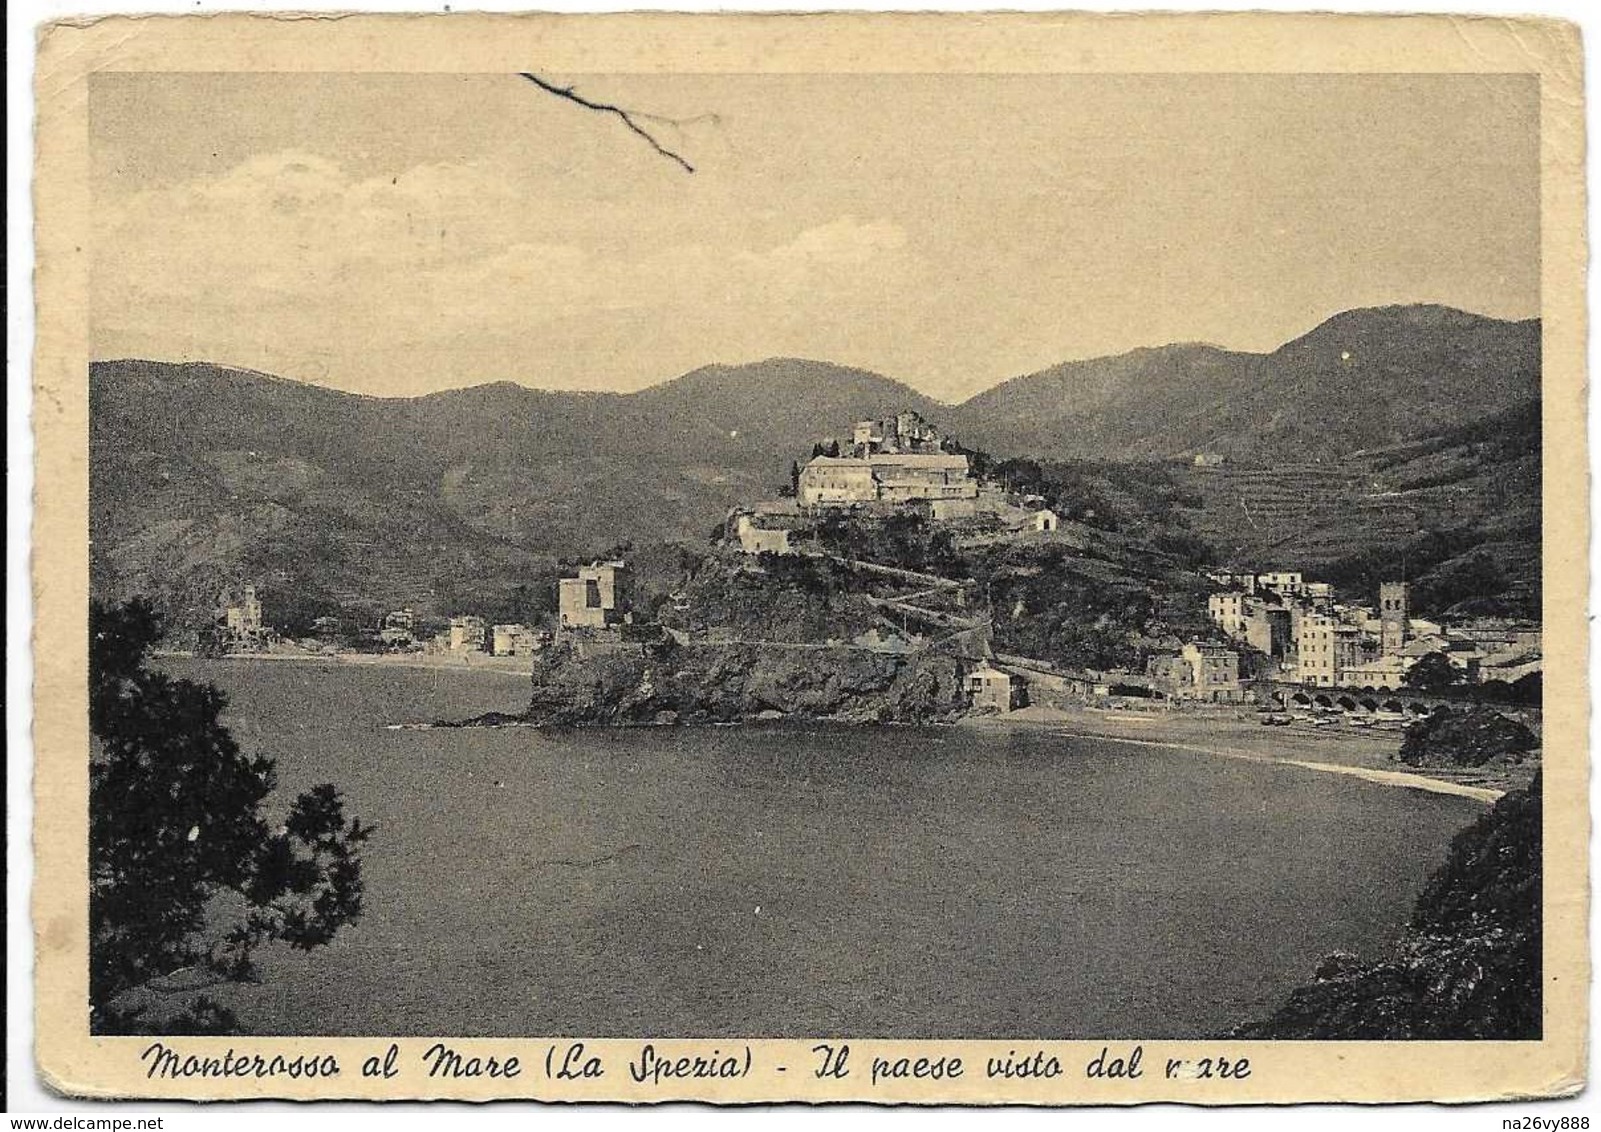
point(670, 682)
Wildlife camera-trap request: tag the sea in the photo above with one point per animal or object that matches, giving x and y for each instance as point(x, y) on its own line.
point(793, 881)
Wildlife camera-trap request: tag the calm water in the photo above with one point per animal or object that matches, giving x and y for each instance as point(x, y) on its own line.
point(775, 882)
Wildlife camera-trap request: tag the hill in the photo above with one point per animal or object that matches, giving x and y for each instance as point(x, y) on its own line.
point(202, 477)
point(1456, 511)
point(1351, 439)
point(1363, 379)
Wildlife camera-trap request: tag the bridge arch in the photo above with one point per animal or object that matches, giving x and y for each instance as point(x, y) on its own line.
point(1370, 704)
point(1302, 699)
point(1346, 703)
point(1393, 705)
point(1323, 701)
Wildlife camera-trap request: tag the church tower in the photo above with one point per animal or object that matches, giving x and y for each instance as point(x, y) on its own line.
point(1394, 611)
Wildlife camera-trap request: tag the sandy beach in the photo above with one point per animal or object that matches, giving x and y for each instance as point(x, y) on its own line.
point(518, 666)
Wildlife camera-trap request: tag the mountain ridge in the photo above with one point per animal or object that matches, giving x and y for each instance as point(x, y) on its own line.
point(203, 475)
point(775, 359)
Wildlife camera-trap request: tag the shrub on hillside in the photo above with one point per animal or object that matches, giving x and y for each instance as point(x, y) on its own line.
point(1470, 739)
point(1468, 965)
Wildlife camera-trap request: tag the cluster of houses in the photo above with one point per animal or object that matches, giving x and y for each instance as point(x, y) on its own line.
point(594, 603)
point(1310, 638)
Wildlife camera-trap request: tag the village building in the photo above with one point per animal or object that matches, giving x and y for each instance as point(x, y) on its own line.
point(1201, 672)
point(889, 641)
point(1394, 611)
point(596, 598)
point(989, 689)
point(1384, 673)
point(244, 620)
point(1466, 656)
point(1290, 583)
point(1315, 650)
point(514, 640)
point(1509, 667)
point(1227, 611)
point(1499, 634)
point(1234, 580)
point(399, 628)
point(1267, 628)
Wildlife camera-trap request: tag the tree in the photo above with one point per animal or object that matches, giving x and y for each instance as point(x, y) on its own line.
point(1433, 673)
point(185, 872)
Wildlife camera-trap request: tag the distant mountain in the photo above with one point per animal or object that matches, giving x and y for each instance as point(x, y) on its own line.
point(1363, 379)
point(203, 477)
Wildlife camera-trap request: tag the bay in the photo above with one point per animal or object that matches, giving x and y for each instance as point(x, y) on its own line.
point(808, 880)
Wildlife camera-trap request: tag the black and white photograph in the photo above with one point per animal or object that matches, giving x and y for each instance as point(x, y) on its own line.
point(711, 556)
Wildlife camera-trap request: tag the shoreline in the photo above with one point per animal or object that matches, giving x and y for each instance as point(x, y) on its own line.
point(1359, 756)
point(1364, 756)
point(497, 666)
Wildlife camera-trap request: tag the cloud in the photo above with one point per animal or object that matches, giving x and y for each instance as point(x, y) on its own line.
point(289, 253)
point(845, 241)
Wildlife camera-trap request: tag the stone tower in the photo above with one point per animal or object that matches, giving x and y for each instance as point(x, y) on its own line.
point(1394, 610)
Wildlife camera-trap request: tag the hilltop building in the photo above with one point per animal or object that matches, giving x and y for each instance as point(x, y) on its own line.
point(596, 599)
point(904, 433)
point(1043, 521)
point(845, 481)
point(760, 540)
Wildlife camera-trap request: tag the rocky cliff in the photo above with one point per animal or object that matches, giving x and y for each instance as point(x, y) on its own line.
point(1468, 965)
point(678, 683)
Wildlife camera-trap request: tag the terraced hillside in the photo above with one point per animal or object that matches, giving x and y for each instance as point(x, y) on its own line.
point(1457, 512)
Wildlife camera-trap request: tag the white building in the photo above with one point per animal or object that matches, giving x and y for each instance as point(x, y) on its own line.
point(989, 688)
point(467, 633)
point(598, 597)
point(834, 481)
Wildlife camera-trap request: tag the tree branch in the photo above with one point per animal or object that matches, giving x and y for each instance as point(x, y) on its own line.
point(628, 119)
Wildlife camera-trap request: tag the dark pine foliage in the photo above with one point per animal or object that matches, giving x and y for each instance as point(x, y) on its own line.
point(1434, 673)
point(1470, 738)
point(186, 874)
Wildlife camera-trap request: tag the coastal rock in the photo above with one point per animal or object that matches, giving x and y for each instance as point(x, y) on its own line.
point(730, 683)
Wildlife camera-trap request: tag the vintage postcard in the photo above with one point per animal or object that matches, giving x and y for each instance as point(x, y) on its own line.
point(995, 559)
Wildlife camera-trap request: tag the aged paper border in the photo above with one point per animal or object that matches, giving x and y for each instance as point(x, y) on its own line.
point(73, 1062)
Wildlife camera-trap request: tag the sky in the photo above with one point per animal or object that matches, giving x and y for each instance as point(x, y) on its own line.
point(401, 234)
